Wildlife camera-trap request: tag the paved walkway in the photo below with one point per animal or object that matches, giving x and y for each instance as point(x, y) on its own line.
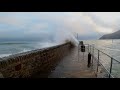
point(71, 67)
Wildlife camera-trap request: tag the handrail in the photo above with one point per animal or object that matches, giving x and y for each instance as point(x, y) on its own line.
point(105, 54)
point(105, 68)
point(112, 59)
point(108, 55)
point(116, 60)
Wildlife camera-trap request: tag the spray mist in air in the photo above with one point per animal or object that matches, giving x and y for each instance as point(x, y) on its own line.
point(63, 36)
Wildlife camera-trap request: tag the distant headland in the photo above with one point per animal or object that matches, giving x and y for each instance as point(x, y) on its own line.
point(115, 35)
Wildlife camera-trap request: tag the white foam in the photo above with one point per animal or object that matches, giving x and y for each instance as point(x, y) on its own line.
point(24, 50)
point(4, 55)
point(45, 44)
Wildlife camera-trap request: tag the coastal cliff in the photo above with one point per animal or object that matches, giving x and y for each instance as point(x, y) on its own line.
point(115, 35)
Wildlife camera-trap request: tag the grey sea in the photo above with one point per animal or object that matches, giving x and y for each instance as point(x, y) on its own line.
point(15, 47)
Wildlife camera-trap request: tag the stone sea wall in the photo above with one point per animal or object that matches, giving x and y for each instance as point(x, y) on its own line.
point(28, 63)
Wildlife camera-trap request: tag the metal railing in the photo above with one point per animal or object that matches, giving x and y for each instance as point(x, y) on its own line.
point(104, 61)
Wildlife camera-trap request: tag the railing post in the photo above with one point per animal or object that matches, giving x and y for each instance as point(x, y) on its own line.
point(111, 66)
point(93, 55)
point(98, 61)
point(78, 52)
point(88, 48)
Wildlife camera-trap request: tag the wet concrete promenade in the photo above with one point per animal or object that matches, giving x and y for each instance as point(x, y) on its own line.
point(72, 67)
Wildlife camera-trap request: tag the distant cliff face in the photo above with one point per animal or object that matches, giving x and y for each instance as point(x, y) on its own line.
point(115, 35)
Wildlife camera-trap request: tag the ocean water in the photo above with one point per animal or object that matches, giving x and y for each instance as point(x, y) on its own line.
point(14, 47)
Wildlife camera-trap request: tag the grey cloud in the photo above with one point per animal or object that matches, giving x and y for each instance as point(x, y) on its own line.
point(98, 21)
point(70, 23)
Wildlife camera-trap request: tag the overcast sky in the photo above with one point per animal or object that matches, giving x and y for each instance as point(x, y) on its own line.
point(45, 25)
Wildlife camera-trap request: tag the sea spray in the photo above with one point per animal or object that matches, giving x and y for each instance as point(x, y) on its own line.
point(59, 37)
point(45, 44)
point(63, 36)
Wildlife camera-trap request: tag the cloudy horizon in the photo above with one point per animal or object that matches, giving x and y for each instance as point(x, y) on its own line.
point(46, 25)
